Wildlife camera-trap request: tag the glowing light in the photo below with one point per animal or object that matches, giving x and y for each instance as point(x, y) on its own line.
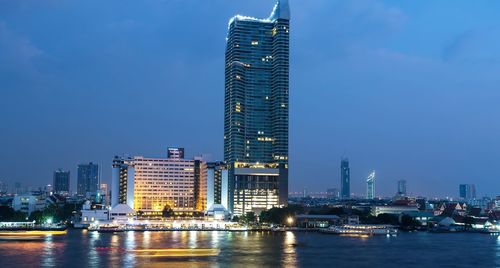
point(49, 221)
point(290, 220)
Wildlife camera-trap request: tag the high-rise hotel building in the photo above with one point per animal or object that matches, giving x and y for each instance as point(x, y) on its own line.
point(148, 184)
point(256, 110)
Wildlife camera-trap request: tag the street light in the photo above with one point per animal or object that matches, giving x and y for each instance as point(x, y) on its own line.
point(290, 221)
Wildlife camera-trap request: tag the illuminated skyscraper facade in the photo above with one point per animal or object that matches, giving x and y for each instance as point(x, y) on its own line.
point(256, 108)
point(370, 186)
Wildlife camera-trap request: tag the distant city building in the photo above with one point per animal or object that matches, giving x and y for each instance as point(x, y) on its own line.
point(3, 187)
point(88, 179)
point(467, 191)
point(402, 187)
point(370, 186)
point(256, 110)
point(345, 179)
point(17, 188)
point(61, 181)
point(149, 184)
point(333, 193)
point(217, 184)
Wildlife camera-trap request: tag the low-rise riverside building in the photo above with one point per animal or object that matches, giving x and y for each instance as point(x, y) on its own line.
point(148, 185)
point(377, 210)
point(316, 221)
point(28, 203)
point(92, 214)
point(423, 217)
point(217, 212)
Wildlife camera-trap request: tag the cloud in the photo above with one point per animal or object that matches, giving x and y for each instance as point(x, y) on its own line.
point(17, 52)
point(474, 46)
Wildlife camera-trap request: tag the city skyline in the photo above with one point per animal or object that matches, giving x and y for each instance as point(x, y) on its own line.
point(432, 134)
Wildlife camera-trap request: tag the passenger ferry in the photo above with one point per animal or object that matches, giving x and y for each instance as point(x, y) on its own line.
point(361, 229)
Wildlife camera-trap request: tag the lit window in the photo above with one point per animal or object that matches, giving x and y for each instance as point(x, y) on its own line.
point(255, 43)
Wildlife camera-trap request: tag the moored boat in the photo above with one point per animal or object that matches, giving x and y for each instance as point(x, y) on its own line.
point(361, 229)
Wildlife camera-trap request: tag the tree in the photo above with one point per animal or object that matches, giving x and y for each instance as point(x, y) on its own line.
point(280, 215)
point(9, 214)
point(250, 217)
point(167, 211)
point(407, 221)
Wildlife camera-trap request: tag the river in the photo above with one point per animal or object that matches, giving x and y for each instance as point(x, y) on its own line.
point(80, 248)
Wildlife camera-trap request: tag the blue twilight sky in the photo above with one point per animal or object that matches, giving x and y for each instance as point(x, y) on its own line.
point(408, 88)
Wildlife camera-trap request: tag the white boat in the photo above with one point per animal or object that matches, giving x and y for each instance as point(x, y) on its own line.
point(361, 229)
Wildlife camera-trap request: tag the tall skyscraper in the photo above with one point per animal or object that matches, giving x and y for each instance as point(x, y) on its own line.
point(88, 179)
point(345, 178)
point(467, 191)
point(402, 188)
point(256, 110)
point(370, 186)
point(149, 184)
point(61, 181)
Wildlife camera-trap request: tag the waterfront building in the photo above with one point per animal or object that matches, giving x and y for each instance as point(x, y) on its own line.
point(256, 110)
point(149, 184)
point(316, 221)
point(92, 213)
point(217, 184)
point(122, 181)
point(377, 210)
point(467, 191)
point(423, 217)
point(28, 203)
point(370, 186)
point(122, 213)
point(217, 212)
point(345, 178)
point(402, 187)
point(61, 181)
point(450, 209)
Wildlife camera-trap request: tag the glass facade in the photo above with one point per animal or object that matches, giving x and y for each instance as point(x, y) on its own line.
point(345, 178)
point(61, 181)
point(256, 101)
point(88, 179)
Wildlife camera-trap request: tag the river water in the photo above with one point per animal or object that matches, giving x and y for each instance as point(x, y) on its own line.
point(80, 248)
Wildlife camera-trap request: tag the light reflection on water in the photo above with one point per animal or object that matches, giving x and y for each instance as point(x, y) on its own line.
point(497, 259)
point(193, 239)
point(244, 249)
point(48, 252)
point(289, 250)
point(93, 256)
point(146, 238)
point(129, 246)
